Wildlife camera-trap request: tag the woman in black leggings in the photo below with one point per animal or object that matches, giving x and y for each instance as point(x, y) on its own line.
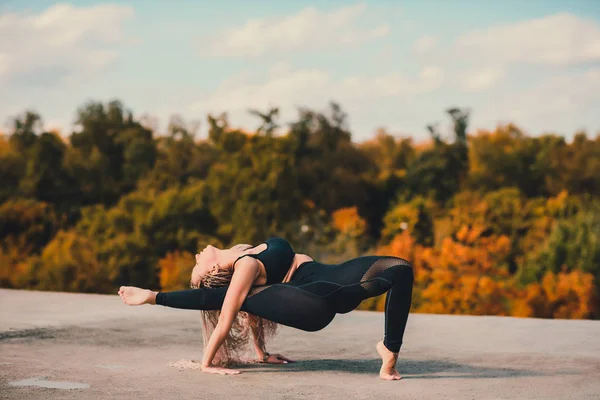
point(308, 297)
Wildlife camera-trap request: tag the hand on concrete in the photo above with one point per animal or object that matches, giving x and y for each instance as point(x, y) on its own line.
point(220, 370)
point(277, 359)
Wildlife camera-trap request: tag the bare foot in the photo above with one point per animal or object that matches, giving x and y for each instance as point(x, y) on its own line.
point(135, 296)
point(388, 366)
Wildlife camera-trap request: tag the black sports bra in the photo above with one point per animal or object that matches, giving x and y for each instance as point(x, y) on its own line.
point(277, 258)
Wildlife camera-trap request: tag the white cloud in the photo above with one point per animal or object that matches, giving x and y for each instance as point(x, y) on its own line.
point(287, 88)
point(562, 94)
point(63, 43)
point(281, 89)
point(425, 44)
point(555, 47)
point(558, 39)
point(393, 84)
point(309, 28)
point(481, 79)
point(561, 103)
point(431, 77)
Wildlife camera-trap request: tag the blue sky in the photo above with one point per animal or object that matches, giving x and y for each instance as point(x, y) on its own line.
point(391, 64)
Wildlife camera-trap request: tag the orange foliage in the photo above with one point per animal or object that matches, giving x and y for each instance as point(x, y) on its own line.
point(309, 203)
point(466, 276)
point(175, 270)
point(5, 147)
point(463, 276)
point(460, 277)
point(563, 295)
point(348, 221)
point(557, 203)
point(423, 145)
point(403, 246)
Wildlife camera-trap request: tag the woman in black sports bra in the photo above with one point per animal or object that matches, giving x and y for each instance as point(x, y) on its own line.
point(308, 301)
point(277, 258)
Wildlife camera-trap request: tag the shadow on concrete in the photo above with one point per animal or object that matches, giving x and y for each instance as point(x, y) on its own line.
point(35, 333)
point(409, 369)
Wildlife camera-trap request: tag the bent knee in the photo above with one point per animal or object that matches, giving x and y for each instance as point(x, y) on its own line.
point(404, 270)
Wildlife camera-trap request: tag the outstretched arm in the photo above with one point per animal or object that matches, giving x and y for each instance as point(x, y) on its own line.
point(244, 275)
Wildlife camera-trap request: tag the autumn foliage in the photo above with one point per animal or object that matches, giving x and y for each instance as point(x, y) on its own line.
point(494, 222)
point(468, 273)
point(175, 269)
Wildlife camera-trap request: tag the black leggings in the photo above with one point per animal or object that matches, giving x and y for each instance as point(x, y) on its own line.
point(317, 292)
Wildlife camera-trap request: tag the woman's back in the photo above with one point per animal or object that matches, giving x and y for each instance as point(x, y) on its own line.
point(276, 258)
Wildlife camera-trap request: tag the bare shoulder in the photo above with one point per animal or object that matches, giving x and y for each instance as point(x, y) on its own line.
point(246, 263)
point(241, 247)
point(300, 258)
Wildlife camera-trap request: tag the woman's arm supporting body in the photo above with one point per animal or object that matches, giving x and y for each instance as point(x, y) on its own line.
point(263, 355)
point(259, 344)
point(246, 271)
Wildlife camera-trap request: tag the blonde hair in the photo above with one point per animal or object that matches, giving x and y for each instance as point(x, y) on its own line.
point(237, 338)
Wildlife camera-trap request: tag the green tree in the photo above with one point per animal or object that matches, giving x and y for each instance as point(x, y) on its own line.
point(12, 169)
point(111, 152)
point(269, 123)
point(440, 172)
point(330, 168)
point(254, 192)
point(25, 129)
point(69, 263)
point(574, 243)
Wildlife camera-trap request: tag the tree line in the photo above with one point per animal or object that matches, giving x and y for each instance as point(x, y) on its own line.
point(494, 222)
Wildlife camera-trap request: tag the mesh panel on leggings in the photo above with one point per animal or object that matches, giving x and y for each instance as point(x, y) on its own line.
point(368, 282)
point(256, 290)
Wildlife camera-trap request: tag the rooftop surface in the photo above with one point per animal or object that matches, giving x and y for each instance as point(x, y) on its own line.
point(87, 346)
